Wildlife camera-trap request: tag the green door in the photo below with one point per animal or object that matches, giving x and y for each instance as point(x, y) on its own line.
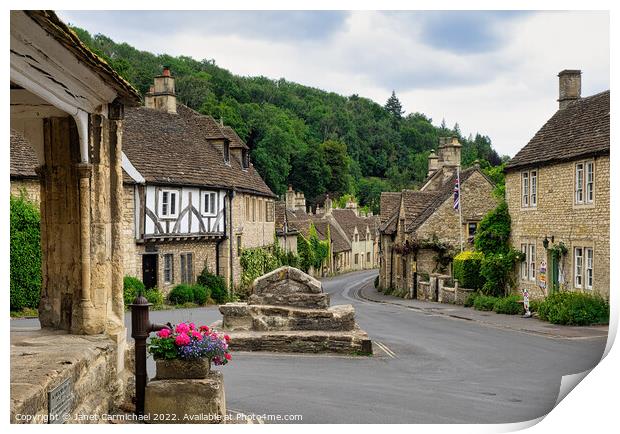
point(555, 273)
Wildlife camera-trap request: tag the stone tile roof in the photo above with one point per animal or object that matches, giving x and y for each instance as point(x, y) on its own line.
point(23, 158)
point(281, 220)
point(49, 21)
point(339, 243)
point(235, 140)
point(390, 202)
point(579, 130)
point(348, 221)
point(175, 149)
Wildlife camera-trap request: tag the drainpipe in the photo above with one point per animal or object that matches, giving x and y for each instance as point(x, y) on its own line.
point(230, 244)
point(217, 257)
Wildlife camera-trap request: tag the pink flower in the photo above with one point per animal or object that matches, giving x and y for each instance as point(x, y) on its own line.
point(227, 338)
point(192, 326)
point(163, 333)
point(197, 335)
point(204, 329)
point(228, 356)
point(182, 339)
point(182, 328)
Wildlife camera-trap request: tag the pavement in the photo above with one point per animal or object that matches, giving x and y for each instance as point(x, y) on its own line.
point(491, 319)
point(429, 366)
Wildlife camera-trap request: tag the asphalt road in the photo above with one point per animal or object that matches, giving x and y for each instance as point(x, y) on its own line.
point(426, 369)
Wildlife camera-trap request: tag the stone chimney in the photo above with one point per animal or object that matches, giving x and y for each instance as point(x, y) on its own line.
point(162, 95)
point(449, 152)
point(328, 205)
point(295, 201)
point(433, 164)
point(570, 87)
point(352, 205)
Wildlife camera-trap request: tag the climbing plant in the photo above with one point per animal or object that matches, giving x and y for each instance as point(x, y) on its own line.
point(312, 251)
point(25, 259)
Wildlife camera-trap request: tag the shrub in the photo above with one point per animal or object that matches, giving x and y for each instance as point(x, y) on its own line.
point(484, 302)
point(497, 270)
point(215, 285)
point(181, 294)
point(201, 294)
point(132, 286)
point(509, 305)
point(471, 298)
point(535, 304)
point(25, 269)
point(154, 296)
point(574, 308)
point(466, 269)
point(493, 233)
point(257, 262)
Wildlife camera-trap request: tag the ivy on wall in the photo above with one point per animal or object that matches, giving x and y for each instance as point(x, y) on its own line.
point(261, 260)
point(312, 251)
point(25, 254)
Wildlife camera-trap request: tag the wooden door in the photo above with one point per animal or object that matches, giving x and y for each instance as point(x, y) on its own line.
point(149, 270)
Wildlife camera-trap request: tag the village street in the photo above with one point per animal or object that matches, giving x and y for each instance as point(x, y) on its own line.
point(434, 368)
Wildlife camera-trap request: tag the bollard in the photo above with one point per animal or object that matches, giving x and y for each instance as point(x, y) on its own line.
point(141, 327)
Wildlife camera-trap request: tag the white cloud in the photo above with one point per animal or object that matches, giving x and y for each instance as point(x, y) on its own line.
point(505, 90)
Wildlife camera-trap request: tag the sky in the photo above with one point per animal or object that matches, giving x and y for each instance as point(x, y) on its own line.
point(493, 72)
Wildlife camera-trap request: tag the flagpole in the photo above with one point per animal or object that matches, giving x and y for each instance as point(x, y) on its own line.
point(458, 180)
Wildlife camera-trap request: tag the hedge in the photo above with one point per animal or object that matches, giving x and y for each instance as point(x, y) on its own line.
point(132, 286)
point(574, 308)
point(484, 302)
point(509, 305)
point(215, 285)
point(25, 261)
point(466, 269)
point(181, 294)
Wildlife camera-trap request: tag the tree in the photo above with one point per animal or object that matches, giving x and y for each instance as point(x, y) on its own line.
point(338, 161)
point(394, 108)
point(310, 173)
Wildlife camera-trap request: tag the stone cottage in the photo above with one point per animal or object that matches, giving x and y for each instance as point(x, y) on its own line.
point(557, 189)
point(421, 230)
point(193, 199)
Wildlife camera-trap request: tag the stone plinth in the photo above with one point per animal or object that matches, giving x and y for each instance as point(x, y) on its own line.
point(288, 311)
point(186, 401)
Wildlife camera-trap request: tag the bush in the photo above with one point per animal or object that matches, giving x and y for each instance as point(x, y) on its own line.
point(535, 304)
point(132, 286)
point(466, 269)
point(201, 294)
point(25, 269)
point(497, 270)
point(181, 294)
point(216, 286)
point(493, 233)
point(484, 302)
point(574, 308)
point(509, 305)
point(471, 298)
point(155, 297)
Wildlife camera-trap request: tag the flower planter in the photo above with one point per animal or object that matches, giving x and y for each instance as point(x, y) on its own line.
point(179, 368)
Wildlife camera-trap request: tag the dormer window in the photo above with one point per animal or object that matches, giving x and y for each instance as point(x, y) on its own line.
point(226, 152)
point(245, 158)
point(169, 203)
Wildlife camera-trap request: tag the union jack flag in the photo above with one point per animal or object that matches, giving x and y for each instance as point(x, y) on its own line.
point(457, 194)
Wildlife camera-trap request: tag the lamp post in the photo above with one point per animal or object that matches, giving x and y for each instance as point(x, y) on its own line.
point(141, 327)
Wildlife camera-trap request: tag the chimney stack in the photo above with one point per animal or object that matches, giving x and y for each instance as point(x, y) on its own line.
point(162, 95)
point(570, 87)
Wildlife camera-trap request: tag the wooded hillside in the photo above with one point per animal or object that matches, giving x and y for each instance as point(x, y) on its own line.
point(318, 141)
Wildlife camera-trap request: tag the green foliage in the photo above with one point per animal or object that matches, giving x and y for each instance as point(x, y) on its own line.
point(497, 175)
point(509, 305)
point(215, 287)
point(316, 140)
point(201, 294)
point(163, 348)
point(535, 304)
point(574, 308)
point(497, 270)
point(484, 302)
point(155, 297)
point(25, 268)
point(493, 232)
point(181, 294)
point(257, 262)
point(466, 269)
point(132, 286)
point(471, 298)
point(312, 251)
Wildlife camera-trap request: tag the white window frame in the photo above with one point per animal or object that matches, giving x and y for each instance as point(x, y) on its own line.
point(168, 268)
point(578, 267)
point(532, 262)
point(589, 182)
point(589, 267)
point(208, 207)
point(533, 188)
point(169, 213)
point(525, 189)
point(525, 264)
point(579, 183)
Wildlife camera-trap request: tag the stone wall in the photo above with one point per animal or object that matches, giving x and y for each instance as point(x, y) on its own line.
point(556, 215)
point(31, 188)
point(132, 262)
